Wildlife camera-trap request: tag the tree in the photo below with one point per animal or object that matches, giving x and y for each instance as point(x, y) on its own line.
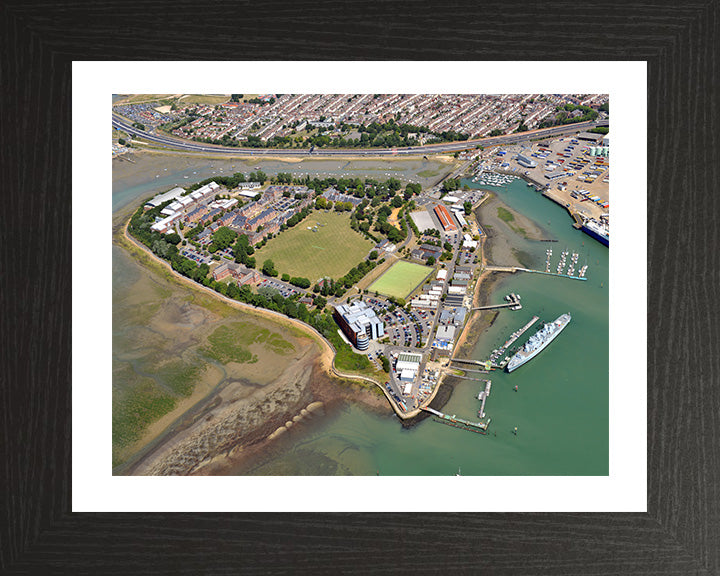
point(121, 141)
point(397, 201)
point(430, 261)
point(373, 255)
point(451, 184)
point(467, 206)
point(172, 238)
point(285, 278)
point(221, 239)
point(269, 268)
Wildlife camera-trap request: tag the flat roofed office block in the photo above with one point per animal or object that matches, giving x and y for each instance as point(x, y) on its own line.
point(359, 323)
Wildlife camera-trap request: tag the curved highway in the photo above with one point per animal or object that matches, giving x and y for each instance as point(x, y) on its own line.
point(190, 146)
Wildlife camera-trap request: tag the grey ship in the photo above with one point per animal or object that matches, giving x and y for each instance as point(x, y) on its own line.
point(538, 342)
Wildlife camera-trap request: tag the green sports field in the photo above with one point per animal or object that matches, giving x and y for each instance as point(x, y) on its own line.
point(400, 280)
point(331, 250)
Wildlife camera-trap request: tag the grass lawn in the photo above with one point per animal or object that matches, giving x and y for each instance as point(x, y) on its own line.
point(401, 279)
point(203, 99)
point(331, 250)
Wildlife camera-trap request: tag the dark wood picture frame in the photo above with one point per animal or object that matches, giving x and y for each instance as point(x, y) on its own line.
point(680, 533)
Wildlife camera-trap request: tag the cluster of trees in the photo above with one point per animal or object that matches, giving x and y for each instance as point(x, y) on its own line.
point(283, 178)
point(297, 217)
point(409, 221)
point(261, 102)
point(141, 222)
point(322, 203)
point(193, 232)
point(243, 251)
point(383, 226)
point(221, 239)
point(236, 97)
point(564, 116)
point(600, 129)
point(467, 207)
point(299, 281)
point(331, 287)
point(451, 184)
point(412, 189)
point(268, 268)
point(357, 273)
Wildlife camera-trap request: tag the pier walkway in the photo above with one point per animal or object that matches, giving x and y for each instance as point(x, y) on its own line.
point(478, 427)
point(513, 302)
point(514, 269)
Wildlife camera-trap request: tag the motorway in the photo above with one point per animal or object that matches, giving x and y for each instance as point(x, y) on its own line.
point(178, 144)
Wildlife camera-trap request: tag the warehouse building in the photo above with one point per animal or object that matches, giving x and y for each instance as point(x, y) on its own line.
point(408, 365)
point(164, 197)
point(445, 219)
point(359, 323)
point(525, 161)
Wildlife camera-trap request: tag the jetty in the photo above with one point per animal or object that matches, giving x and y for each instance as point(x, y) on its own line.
point(513, 269)
point(500, 352)
point(483, 396)
point(513, 302)
point(477, 427)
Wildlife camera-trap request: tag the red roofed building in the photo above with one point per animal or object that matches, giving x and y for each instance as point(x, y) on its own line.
point(445, 219)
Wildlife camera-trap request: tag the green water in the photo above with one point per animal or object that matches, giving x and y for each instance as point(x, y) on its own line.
point(560, 408)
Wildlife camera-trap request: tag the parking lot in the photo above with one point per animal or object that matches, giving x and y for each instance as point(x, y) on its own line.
point(196, 256)
point(467, 257)
point(285, 290)
point(403, 328)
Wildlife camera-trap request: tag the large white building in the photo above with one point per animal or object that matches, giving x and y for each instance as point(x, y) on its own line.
point(359, 323)
point(164, 197)
point(408, 361)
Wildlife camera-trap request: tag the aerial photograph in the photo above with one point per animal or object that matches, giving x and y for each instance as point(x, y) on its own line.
point(360, 284)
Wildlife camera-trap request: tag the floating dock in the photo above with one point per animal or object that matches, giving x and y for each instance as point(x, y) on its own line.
point(483, 396)
point(513, 302)
point(551, 274)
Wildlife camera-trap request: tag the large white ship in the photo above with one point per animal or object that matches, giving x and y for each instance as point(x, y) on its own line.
point(538, 342)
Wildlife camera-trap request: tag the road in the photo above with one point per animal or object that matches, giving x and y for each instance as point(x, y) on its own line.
point(187, 145)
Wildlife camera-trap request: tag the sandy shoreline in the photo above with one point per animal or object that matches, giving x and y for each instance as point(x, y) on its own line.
point(209, 436)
